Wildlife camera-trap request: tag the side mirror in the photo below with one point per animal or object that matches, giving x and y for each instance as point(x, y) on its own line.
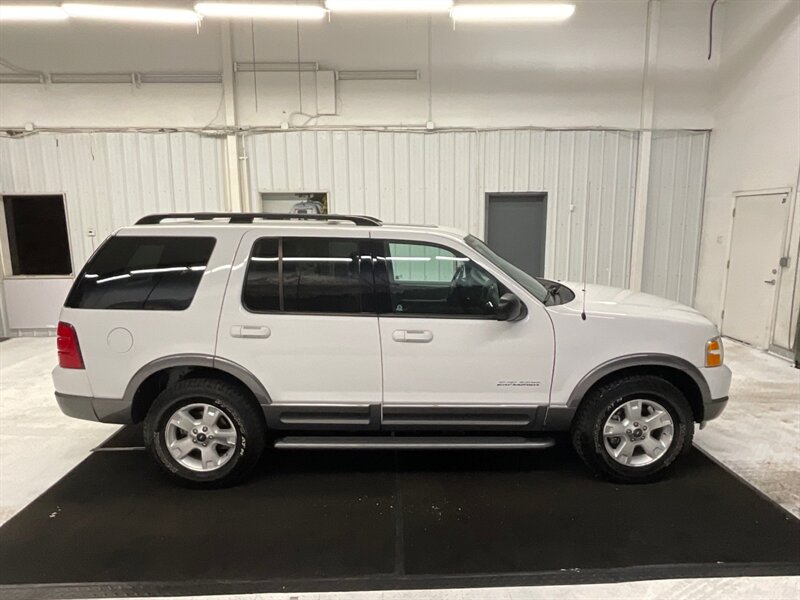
point(510, 308)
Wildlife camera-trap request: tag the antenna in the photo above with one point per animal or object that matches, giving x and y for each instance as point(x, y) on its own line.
point(585, 248)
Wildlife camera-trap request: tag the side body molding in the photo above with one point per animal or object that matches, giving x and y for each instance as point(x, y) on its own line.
point(198, 360)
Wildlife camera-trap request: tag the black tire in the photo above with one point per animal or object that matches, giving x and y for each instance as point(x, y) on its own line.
point(600, 403)
point(244, 415)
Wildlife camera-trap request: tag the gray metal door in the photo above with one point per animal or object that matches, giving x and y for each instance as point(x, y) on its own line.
point(515, 228)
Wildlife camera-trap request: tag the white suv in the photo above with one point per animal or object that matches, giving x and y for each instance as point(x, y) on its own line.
point(226, 333)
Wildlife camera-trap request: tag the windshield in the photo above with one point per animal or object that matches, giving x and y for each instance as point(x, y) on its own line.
point(521, 277)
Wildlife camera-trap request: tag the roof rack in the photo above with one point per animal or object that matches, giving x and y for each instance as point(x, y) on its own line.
point(250, 217)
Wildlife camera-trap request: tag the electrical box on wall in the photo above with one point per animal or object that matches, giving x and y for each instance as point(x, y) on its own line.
point(326, 93)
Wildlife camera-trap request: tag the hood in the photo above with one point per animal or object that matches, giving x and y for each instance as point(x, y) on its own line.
point(602, 299)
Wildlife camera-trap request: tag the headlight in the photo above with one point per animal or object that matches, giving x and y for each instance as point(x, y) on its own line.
point(714, 352)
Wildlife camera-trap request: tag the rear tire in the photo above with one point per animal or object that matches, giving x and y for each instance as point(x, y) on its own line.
point(180, 426)
point(616, 449)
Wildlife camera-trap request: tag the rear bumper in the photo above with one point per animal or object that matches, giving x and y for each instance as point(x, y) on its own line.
point(103, 410)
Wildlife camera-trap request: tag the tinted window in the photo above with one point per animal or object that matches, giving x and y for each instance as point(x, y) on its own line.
point(321, 275)
point(313, 275)
point(262, 285)
point(425, 279)
point(143, 273)
point(37, 235)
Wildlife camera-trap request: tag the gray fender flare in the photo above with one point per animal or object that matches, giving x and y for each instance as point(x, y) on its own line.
point(198, 360)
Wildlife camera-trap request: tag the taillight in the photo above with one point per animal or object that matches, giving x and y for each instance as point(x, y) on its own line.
point(69, 351)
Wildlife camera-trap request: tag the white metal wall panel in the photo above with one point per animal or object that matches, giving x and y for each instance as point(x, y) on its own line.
point(674, 214)
point(111, 179)
point(442, 178)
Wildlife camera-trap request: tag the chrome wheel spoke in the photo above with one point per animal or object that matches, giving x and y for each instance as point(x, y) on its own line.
point(624, 452)
point(209, 458)
point(633, 410)
point(225, 437)
point(182, 447)
point(653, 447)
point(614, 429)
point(183, 420)
point(658, 420)
point(210, 416)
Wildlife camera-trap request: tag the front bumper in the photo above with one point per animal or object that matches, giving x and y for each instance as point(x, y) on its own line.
point(719, 384)
point(104, 410)
point(714, 408)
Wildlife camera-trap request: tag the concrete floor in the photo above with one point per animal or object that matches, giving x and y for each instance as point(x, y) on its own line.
point(758, 437)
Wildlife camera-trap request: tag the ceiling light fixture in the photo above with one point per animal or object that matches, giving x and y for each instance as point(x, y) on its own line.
point(131, 13)
point(512, 13)
point(389, 6)
point(258, 10)
point(31, 12)
point(377, 75)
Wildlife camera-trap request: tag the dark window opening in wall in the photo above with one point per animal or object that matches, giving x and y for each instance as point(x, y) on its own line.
point(36, 230)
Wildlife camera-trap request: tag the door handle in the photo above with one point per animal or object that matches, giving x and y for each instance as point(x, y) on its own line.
point(413, 336)
point(770, 281)
point(250, 331)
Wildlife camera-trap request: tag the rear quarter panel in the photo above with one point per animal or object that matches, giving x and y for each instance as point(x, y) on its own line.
point(154, 333)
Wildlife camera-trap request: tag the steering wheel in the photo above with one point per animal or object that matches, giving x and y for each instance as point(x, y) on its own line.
point(471, 288)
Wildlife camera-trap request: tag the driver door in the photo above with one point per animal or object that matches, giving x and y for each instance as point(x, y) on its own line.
point(442, 344)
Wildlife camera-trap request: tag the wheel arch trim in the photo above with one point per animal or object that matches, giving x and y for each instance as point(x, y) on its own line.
point(197, 360)
point(638, 360)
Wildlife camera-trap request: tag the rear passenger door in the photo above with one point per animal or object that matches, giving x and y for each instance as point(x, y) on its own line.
point(299, 314)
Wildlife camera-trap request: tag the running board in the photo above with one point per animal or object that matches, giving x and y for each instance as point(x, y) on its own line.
point(412, 443)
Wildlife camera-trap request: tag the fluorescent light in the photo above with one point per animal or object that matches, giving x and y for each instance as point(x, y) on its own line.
point(248, 67)
point(131, 13)
point(91, 78)
point(31, 12)
point(180, 78)
point(389, 6)
point(375, 75)
point(21, 77)
point(512, 13)
point(259, 10)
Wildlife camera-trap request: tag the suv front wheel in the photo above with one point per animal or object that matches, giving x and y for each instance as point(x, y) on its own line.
point(632, 429)
point(205, 433)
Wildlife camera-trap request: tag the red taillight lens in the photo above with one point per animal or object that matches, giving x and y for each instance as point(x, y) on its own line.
point(69, 351)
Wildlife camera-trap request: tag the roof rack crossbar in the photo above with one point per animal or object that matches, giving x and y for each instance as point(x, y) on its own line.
point(359, 220)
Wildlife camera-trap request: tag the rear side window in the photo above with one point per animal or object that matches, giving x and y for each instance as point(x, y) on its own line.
point(309, 275)
point(142, 273)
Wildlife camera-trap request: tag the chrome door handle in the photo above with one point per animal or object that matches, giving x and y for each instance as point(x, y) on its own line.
point(250, 331)
point(770, 281)
point(414, 336)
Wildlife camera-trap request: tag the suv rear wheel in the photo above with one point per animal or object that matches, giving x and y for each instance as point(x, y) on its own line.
point(205, 433)
point(632, 429)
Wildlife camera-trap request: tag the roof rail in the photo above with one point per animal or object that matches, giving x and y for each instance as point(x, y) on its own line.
point(250, 217)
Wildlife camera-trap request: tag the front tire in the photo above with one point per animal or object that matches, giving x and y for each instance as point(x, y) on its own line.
point(205, 433)
point(632, 429)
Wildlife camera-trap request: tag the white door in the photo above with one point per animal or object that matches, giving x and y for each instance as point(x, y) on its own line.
point(442, 344)
point(296, 315)
point(759, 223)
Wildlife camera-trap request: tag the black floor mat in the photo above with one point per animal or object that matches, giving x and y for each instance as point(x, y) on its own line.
point(326, 521)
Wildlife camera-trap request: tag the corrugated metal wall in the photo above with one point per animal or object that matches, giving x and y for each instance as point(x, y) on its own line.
point(674, 214)
point(111, 179)
point(442, 178)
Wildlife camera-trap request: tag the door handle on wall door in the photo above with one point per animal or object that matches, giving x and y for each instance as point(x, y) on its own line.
point(770, 281)
point(414, 336)
point(250, 331)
